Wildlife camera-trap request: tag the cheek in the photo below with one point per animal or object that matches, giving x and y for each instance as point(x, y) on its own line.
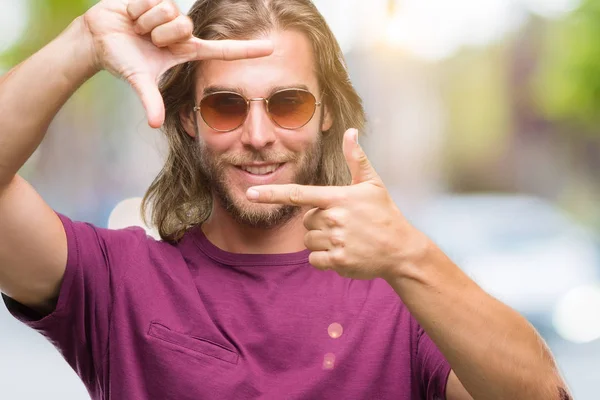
point(300, 139)
point(219, 143)
point(296, 141)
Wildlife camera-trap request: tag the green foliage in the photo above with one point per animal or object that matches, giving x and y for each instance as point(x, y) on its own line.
point(476, 93)
point(568, 83)
point(47, 18)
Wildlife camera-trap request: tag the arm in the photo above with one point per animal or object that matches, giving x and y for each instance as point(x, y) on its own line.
point(33, 249)
point(493, 350)
point(455, 389)
point(137, 40)
point(358, 231)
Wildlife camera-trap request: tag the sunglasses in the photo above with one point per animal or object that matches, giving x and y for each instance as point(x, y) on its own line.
point(287, 108)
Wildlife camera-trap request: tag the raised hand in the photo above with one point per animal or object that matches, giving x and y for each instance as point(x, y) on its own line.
point(138, 40)
point(356, 230)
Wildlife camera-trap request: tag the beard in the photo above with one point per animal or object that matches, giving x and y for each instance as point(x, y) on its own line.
point(264, 216)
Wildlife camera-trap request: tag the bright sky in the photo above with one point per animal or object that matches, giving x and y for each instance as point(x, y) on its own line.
point(13, 21)
point(430, 29)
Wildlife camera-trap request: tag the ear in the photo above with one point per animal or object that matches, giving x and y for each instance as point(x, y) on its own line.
point(188, 120)
point(327, 119)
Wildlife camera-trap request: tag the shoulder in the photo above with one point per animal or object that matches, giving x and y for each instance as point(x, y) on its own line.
point(379, 297)
point(381, 292)
point(91, 244)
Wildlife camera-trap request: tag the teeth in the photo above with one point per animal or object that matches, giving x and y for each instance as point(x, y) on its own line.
point(261, 170)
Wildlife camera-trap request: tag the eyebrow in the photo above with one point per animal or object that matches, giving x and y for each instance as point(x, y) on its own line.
point(221, 88)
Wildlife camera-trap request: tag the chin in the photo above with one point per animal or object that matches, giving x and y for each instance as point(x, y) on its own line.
point(241, 203)
point(261, 216)
point(230, 192)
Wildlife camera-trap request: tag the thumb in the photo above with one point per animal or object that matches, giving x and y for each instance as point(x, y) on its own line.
point(147, 90)
point(357, 160)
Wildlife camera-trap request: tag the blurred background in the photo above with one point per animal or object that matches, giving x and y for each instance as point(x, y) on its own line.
point(484, 123)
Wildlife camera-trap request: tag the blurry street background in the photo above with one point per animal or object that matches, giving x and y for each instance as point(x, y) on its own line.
point(484, 122)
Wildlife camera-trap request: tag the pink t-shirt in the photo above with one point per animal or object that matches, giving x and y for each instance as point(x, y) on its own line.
point(142, 319)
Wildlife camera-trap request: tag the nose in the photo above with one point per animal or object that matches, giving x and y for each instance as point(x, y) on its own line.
point(258, 130)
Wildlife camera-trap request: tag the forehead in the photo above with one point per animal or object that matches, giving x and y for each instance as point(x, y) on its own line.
point(291, 64)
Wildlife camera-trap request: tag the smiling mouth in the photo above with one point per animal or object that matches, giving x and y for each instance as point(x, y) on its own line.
point(260, 170)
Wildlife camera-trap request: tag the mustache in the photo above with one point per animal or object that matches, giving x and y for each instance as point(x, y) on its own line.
point(269, 157)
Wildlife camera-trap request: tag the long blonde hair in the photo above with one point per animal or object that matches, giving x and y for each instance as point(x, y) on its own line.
point(180, 198)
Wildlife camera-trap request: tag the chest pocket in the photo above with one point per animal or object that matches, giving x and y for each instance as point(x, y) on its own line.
point(194, 344)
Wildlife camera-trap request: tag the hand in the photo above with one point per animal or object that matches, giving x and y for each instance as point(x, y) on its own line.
point(356, 230)
point(139, 40)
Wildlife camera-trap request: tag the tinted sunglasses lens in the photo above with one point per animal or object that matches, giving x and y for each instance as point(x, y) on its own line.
point(292, 109)
point(223, 111)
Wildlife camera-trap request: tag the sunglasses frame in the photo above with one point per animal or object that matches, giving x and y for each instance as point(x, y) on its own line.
point(265, 100)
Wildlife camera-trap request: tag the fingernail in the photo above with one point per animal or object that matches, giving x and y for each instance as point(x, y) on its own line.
point(252, 194)
point(355, 134)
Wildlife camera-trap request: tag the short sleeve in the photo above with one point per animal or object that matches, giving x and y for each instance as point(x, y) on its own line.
point(432, 366)
point(80, 324)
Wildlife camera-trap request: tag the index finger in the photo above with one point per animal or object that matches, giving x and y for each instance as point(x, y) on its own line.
point(136, 8)
point(230, 49)
point(296, 195)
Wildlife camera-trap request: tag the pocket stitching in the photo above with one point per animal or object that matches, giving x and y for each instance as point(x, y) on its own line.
point(156, 328)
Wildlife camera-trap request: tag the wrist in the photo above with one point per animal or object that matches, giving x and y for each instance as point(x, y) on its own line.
point(78, 41)
point(410, 256)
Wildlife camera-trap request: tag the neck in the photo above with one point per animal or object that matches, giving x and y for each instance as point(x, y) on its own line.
point(230, 235)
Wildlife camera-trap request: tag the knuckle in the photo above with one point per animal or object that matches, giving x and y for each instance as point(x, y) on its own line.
point(331, 219)
point(335, 218)
point(295, 195)
point(338, 240)
point(224, 50)
point(200, 49)
point(338, 258)
point(183, 27)
point(339, 197)
point(270, 196)
point(139, 28)
point(188, 25)
point(363, 160)
point(168, 11)
point(138, 7)
point(158, 38)
point(130, 11)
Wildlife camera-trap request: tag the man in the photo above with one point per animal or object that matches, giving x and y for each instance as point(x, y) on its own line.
point(286, 271)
